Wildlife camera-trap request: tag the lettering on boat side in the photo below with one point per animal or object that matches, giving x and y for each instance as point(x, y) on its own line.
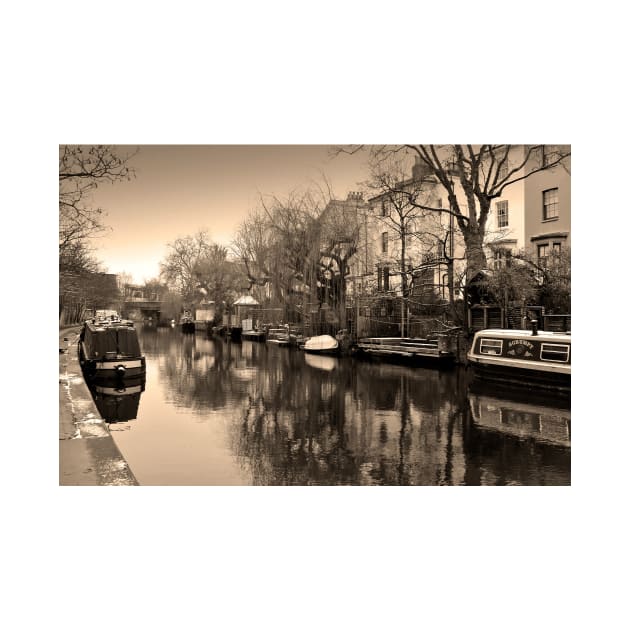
point(520, 348)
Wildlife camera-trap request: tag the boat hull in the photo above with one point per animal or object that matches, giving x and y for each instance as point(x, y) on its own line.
point(522, 377)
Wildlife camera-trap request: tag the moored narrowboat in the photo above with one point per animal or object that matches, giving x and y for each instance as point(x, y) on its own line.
point(523, 357)
point(109, 349)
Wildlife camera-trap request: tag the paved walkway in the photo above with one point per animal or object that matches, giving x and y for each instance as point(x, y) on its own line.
point(88, 455)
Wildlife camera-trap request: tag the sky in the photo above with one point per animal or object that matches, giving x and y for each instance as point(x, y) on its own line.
point(180, 189)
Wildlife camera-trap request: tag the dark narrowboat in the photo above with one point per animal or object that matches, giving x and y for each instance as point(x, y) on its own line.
point(187, 325)
point(109, 349)
point(523, 357)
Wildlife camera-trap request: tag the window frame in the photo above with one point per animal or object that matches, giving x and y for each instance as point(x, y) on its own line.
point(491, 339)
point(502, 212)
point(547, 205)
point(384, 242)
point(542, 259)
point(545, 347)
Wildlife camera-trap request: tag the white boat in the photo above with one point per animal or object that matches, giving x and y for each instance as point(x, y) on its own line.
point(322, 344)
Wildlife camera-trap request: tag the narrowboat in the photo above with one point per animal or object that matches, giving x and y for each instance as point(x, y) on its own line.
point(321, 344)
point(109, 349)
point(187, 326)
point(408, 348)
point(524, 357)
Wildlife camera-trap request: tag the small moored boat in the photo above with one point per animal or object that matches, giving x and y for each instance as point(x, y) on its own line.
point(435, 351)
point(187, 326)
point(322, 344)
point(524, 357)
point(109, 348)
point(278, 336)
point(253, 335)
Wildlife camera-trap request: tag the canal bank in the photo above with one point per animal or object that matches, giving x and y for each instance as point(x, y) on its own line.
point(88, 455)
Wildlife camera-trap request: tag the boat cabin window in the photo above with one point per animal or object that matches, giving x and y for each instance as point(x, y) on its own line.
point(490, 346)
point(554, 352)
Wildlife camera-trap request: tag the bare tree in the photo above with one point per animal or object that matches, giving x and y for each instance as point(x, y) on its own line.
point(81, 170)
point(473, 176)
point(219, 278)
point(179, 267)
point(253, 245)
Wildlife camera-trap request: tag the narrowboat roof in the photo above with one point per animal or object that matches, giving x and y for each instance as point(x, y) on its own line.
point(522, 334)
point(107, 324)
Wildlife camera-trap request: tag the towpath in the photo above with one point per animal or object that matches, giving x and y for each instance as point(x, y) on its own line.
point(88, 455)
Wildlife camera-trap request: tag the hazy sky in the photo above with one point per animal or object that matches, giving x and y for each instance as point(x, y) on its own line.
point(181, 189)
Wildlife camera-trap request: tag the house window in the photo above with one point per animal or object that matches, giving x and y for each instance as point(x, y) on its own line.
point(384, 241)
point(385, 278)
point(382, 278)
point(550, 204)
point(383, 208)
point(543, 253)
point(502, 214)
point(557, 248)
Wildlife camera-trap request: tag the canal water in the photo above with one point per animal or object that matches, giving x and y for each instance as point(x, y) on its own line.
point(215, 412)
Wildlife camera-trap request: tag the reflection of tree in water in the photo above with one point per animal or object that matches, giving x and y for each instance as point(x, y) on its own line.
point(351, 422)
point(200, 373)
point(355, 425)
point(292, 428)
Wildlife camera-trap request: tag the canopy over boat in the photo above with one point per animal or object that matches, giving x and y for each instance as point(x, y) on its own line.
point(321, 343)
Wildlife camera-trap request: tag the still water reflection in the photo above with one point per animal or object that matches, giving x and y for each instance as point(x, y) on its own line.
point(221, 413)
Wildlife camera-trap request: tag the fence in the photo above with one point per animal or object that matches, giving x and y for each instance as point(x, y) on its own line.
point(514, 317)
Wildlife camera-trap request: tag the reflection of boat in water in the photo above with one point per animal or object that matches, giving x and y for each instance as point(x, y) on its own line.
point(253, 335)
point(117, 403)
point(532, 358)
point(322, 344)
point(109, 348)
point(321, 362)
point(533, 419)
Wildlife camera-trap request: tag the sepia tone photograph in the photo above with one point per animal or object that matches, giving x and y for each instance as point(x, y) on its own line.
point(315, 292)
point(315, 315)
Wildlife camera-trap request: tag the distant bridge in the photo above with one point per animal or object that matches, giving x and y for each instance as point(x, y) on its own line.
point(141, 309)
